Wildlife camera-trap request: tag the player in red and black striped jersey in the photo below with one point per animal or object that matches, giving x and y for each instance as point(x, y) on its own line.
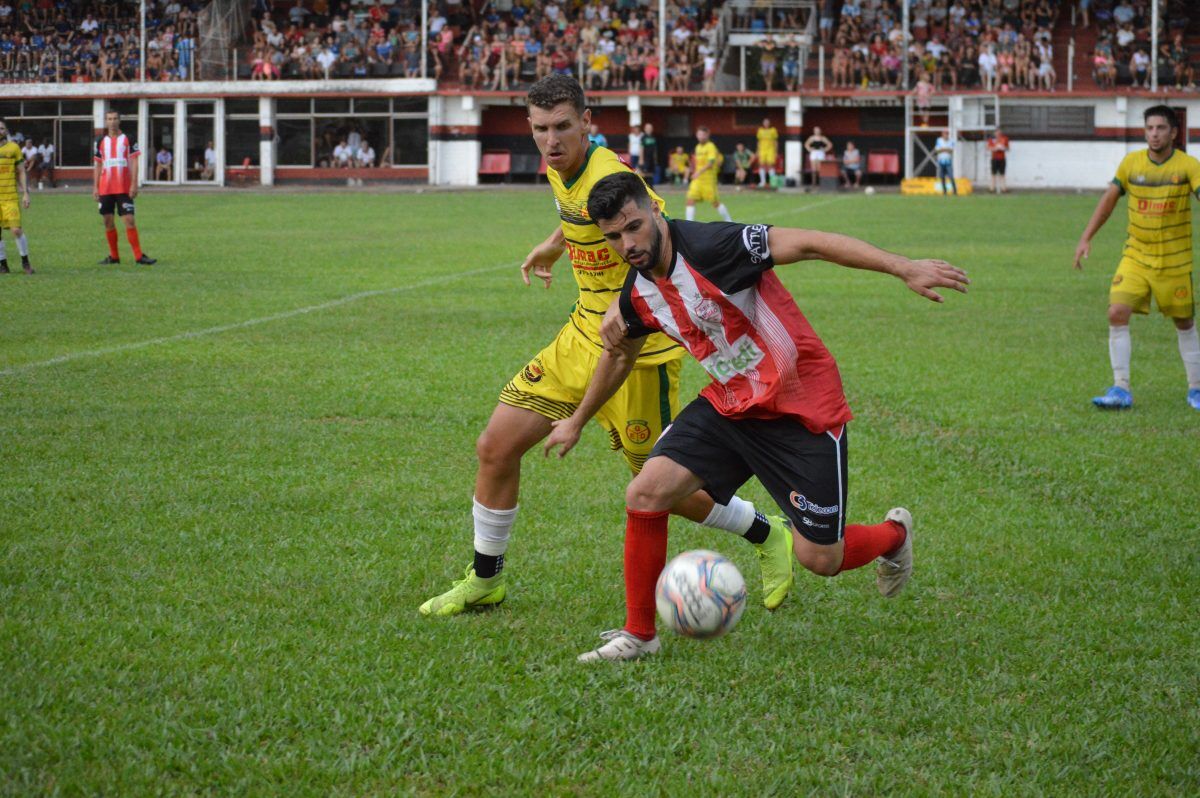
point(115, 186)
point(775, 407)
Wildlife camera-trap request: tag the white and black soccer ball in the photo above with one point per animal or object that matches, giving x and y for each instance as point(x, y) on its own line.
point(700, 594)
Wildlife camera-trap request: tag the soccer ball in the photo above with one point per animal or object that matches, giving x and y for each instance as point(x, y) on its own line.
point(869, 190)
point(700, 594)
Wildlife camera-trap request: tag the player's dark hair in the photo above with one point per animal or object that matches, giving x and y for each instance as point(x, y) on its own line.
point(1165, 111)
point(554, 90)
point(609, 196)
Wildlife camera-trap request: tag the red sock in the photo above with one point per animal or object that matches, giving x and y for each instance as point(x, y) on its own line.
point(645, 556)
point(111, 235)
point(131, 234)
point(865, 543)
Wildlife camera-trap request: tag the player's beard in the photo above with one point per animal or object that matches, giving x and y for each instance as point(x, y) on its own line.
point(655, 252)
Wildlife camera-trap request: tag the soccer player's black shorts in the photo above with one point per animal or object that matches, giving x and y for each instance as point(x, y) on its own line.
point(805, 473)
point(998, 166)
point(121, 203)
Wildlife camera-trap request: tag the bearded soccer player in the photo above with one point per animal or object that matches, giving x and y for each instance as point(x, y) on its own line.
point(1157, 259)
point(12, 175)
point(551, 385)
point(115, 187)
point(702, 184)
point(774, 409)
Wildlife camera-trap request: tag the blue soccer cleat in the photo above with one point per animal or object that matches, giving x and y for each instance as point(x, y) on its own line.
point(1194, 398)
point(1115, 398)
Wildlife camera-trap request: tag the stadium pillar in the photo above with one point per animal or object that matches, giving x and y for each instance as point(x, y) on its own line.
point(1154, 45)
point(634, 105)
point(266, 140)
point(793, 150)
point(454, 147)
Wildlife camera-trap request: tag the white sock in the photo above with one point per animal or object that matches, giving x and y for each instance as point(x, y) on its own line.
point(762, 177)
point(1120, 349)
point(23, 245)
point(3, 250)
point(735, 517)
point(492, 528)
point(1189, 350)
point(721, 209)
point(691, 213)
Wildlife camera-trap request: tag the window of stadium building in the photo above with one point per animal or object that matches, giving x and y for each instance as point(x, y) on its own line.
point(67, 125)
point(330, 132)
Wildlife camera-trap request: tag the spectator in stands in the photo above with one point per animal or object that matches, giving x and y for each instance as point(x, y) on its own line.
point(767, 55)
point(596, 137)
point(818, 147)
point(988, 64)
point(45, 163)
point(678, 166)
point(923, 92)
point(851, 166)
point(343, 155)
point(1181, 68)
point(209, 170)
point(1104, 67)
point(650, 167)
point(162, 164)
point(30, 153)
point(365, 157)
point(743, 159)
point(1139, 68)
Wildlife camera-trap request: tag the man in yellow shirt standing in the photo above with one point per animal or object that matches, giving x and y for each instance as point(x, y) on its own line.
point(706, 166)
point(768, 152)
point(12, 175)
point(1157, 257)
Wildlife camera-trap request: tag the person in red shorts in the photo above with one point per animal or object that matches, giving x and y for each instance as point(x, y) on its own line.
point(115, 186)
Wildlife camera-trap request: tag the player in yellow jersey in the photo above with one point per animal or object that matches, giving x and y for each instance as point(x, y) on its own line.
point(550, 387)
point(768, 152)
point(1157, 258)
point(706, 168)
point(12, 176)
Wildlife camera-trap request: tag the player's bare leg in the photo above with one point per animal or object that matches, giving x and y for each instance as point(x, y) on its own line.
point(3, 253)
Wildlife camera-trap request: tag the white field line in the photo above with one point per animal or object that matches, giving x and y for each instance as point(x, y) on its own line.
point(287, 314)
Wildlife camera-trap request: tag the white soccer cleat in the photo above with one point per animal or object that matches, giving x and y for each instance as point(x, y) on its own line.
point(894, 570)
point(621, 645)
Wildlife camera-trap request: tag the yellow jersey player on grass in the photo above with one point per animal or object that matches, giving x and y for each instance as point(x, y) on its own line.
point(1157, 258)
point(768, 152)
point(549, 387)
point(706, 168)
point(12, 175)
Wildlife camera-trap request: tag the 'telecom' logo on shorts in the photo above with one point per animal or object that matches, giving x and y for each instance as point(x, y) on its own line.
point(805, 506)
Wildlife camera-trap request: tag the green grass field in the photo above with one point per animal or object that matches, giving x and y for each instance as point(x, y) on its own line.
point(229, 480)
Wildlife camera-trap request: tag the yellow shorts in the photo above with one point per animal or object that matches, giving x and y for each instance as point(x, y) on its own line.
point(703, 191)
point(10, 213)
point(767, 158)
point(1133, 285)
point(553, 384)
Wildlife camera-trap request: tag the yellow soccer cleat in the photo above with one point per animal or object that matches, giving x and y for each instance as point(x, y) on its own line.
point(470, 591)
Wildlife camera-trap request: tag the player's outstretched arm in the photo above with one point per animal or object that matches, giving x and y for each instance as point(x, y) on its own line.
point(611, 373)
point(541, 258)
point(790, 244)
point(1104, 209)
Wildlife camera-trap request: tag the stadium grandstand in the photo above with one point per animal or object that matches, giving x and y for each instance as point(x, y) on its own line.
point(280, 90)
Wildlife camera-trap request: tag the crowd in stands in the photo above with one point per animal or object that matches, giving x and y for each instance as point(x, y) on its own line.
point(994, 45)
point(609, 44)
point(1122, 52)
point(81, 41)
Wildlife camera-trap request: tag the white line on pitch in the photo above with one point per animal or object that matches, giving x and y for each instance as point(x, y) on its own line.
point(804, 208)
point(287, 314)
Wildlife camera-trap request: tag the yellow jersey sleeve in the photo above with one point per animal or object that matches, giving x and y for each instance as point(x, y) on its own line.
point(1121, 180)
point(1193, 175)
point(598, 271)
